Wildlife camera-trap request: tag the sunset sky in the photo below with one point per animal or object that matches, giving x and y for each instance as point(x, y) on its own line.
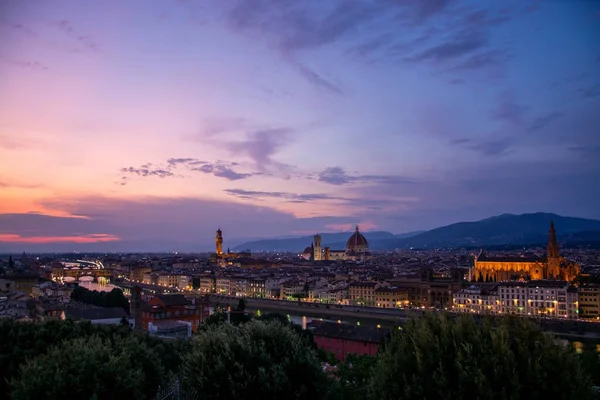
point(151, 123)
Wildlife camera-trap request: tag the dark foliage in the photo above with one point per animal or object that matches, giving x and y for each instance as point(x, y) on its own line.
point(253, 360)
point(114, 298)
point(20, 342)
point(440, 357)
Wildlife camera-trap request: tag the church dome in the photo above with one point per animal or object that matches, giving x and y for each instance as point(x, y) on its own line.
point(357, 241)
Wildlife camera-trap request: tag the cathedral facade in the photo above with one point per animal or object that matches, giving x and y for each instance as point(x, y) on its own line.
point(357, 249)
point(553, 266)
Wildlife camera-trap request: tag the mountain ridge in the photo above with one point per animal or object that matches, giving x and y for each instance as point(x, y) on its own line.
point(504, 229)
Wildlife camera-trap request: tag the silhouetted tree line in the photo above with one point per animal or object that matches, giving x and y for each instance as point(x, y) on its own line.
point(114, 298)
point(431, 357)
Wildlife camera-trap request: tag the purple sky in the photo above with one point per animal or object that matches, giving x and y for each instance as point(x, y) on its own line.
point(156, 122)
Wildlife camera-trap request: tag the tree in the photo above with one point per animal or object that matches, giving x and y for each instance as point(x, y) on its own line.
point(257, 359)
point(353, 376)
point(441, 357)
point(241, 305)
point(91, 368)
point(20, 342)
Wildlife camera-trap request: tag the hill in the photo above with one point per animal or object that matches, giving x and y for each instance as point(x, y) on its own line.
point(506, 229)
point(377, 240)
point(501, 230)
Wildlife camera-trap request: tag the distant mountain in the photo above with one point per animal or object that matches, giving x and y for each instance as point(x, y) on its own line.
point(377, 240)
point(506, 229)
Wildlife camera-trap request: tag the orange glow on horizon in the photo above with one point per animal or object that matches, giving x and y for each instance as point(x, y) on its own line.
point(94, 238)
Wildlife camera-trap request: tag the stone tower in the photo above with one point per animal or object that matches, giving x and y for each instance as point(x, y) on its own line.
point(219, 242)
point(553, 253)
point(317, 245)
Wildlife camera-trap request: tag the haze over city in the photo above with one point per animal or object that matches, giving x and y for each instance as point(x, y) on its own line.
point(164, 120)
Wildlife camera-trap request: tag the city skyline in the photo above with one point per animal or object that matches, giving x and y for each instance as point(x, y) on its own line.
point(165, 120)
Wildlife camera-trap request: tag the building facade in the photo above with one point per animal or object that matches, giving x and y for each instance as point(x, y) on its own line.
point(498, 269)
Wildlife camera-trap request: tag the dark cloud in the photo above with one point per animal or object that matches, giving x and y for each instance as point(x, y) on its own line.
point(220, 169)
point(460, 141)
point(17, 27)
point(495, 147)
point(458, 81)
point(32, 65)
point(86, 41)
point(592, 91)
point(544, 121)
point(291, 197)
point(508, 109)
point(145, 171)
point(261, 145)
point(317, 79)
point(453, 48)
point(335, 176)
point(338, 176)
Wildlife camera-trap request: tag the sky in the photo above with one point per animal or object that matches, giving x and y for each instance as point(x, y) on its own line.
point(148, 124)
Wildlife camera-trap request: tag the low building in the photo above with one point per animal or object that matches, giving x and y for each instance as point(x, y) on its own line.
point(363, 293)
point(589, 300)
point(344, 339)
point(477, 299)
point(173, 307)
point(391, 297)
point(545, 298)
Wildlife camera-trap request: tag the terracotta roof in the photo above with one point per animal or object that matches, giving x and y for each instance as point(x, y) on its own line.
point(173, 299)
point(357, 239)
point(350, 332)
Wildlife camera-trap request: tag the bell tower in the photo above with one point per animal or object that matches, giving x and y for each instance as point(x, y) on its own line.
point(317, 246)
point(553, 253)
point(219, 242)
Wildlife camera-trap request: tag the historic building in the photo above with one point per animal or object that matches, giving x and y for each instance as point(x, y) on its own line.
point(221, 257)
point(497, 269)
point(357, 249)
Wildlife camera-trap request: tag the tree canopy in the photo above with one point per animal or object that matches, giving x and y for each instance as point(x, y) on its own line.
point(20, 342)
point(257, 359)
point(114, 298)
point(91, 368)
point(443, 357)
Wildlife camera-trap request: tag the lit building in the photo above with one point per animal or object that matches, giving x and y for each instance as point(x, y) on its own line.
point(545, 298)
point(391, 297)
point(220, 257)
point(497, 269)
point(363, 293)
point(476, 299)
point(589, 301)
point(172, 308)
point(357, 249)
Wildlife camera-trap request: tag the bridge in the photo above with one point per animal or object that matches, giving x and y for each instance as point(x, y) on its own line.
point(579, 330)
point(385, 317)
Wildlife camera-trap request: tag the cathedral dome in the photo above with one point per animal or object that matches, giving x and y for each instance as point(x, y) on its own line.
point(357, 242)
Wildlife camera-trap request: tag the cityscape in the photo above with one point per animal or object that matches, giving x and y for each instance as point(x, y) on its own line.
point(363, 199)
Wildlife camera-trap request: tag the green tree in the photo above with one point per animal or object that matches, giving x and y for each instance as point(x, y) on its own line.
point(241, 305)
point(441, 357)
point(257, 359)
point(91, 368)
point(353, 376)
point(20, 342)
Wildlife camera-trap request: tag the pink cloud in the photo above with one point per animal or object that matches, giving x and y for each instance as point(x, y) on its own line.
point(93, 238)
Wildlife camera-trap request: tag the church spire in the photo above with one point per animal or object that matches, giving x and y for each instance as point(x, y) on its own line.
point(553, 251)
